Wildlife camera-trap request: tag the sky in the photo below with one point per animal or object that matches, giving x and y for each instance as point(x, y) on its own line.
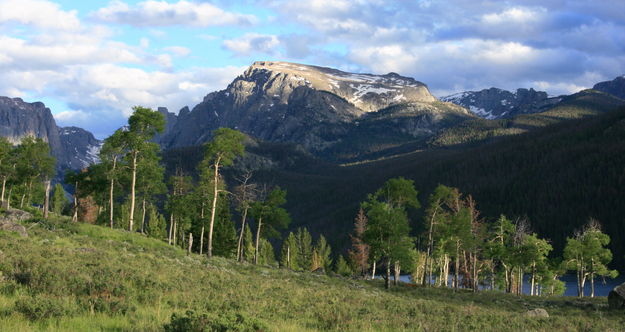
point(91, 61)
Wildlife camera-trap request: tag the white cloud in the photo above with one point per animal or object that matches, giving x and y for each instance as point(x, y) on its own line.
point(161, 13)
point(40, 13)
point(178, 50)
point(253, 43)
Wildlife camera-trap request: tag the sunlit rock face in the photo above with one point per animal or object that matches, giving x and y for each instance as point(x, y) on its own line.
point(316, 107)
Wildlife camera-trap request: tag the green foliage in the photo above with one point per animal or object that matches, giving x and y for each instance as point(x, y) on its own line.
point(304, 249)
point(59, 201)
point(39, 307)
point(273, 215)
point(267, 255)
point(225, 235)
point(387, 232)
point(226, 145)
point(248, 245)
point(290, 248)
point(322, 252)
point(222, 321)
point(342, 268)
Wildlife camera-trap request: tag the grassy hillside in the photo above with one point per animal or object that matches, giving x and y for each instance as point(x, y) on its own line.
point(79, 277)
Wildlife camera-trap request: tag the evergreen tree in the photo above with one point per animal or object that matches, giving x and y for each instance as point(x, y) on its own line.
point(248, 246)
point(288, 254)
point(359, 253)
point(304, 249)
point(225, 237)
point(342, 268)
point(59, 201)
point(322, 252)
point(270, 216)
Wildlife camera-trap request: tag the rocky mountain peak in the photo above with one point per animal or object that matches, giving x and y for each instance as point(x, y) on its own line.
point(367, 92)
point(494, 103)
point(615, 87)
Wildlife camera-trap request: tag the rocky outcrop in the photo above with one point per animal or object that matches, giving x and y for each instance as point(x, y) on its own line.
point(495, 103)
point(73, 147)
point(537, 313)
point(9, 221)
point(616, 297)
point(615, 87)
point(316, 107)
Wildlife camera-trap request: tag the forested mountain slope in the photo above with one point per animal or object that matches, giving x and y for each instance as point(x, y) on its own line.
point(557, 176)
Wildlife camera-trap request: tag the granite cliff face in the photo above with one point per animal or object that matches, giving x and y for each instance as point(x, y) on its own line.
point(615, 87)
point(495, 103)
point(313, 106)
point(72, 147)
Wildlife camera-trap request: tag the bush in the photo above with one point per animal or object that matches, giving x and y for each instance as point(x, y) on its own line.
point(41, 307)
point(211, 322)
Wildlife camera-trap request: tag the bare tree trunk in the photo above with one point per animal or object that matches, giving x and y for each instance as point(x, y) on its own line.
point(260, 223)
point(143, 217)
point(240, 243)
point(457, 265)
point(190, 242)
point(209, 251)
point(533, 280)
point(428, 274)
point(9, 198)
point(22, 201)
point(397, 274)
point(387, 280)
point(475, 274)
point(201, 240)
point(4, 184)
point(171, 228)
point(373, 271)
point(133, 184)
point(288, 256)
point(175, 229)
point(592, 284)
point(75, 215)
point(46, 200)
point(111, 189)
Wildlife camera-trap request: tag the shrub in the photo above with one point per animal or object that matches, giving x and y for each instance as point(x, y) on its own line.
point(228, 321)
point(41, 307)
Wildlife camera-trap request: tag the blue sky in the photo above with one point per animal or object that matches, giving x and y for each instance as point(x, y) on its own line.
point(91, 61)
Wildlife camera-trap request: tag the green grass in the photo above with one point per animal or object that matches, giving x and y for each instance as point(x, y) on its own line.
point(79, 277)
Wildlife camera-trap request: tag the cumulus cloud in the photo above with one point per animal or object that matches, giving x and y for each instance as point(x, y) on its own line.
point(40, 13)
point(98, 78)
point(455, 45)
point(252, 43)
point(153, 13)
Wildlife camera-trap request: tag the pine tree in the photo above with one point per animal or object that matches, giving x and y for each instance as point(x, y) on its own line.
point(59, 201)
point(342, 268)
point(270, 216)
point(359, 253)
point(304, 249)
point(323, 252)
point(288, 254)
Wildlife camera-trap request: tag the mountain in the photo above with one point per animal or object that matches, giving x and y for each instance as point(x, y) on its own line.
point(495, 103)
point(81, 148)
point(616, 87)
point(318, 108)
point(73, 147)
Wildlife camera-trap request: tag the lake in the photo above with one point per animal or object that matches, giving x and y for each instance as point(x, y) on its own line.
point(570, 281)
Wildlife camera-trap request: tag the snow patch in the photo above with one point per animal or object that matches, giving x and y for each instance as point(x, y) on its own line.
point(481, 112)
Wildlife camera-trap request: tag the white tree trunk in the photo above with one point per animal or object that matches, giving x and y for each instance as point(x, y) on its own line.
point(46, 201)
point(209, 251)
point(256, 253)
point(133, 184)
